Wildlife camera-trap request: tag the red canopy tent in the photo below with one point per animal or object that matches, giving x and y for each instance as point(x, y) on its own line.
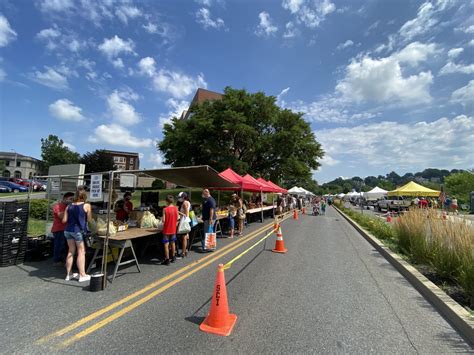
point(268, 186)
point(232, 176)
point(253, 184)
point(269, 182)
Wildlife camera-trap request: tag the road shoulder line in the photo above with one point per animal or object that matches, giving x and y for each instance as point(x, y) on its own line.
point(445, 305)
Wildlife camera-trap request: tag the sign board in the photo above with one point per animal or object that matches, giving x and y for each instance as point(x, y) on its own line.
point(71, 178)
point(96, 188)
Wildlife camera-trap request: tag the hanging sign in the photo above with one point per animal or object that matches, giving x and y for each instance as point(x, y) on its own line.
point(96, 188)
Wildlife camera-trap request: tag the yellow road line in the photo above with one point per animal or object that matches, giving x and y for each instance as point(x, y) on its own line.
point(116, 304)
point(229, 264)
point(146, 298)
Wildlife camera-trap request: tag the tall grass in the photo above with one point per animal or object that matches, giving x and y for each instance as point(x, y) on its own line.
point(447, 245)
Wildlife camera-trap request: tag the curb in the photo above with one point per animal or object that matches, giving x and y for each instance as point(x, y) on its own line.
point(445, 305)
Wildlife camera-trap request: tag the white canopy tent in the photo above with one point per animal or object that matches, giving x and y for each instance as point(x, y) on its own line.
point(375, 194)
point(295, 190)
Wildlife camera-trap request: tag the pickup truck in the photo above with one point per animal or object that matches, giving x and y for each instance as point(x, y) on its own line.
point(393, 203)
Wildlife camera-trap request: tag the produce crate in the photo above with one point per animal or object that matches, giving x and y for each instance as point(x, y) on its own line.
point(13, 232)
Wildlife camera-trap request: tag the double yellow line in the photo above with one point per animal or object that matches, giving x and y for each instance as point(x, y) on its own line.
point(202, 264)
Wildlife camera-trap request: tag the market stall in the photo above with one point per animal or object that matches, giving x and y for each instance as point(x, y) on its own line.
point(413, 189)
point(375, 194)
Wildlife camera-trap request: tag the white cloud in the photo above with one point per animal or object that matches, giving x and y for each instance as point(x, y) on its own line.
point(453, 53)
point(49, 6)
point(118, 63)
point(48, 33)
point(309, 12)
point(291, 31)
point(147, 66)
point(207, 3)
point(393, 145)
point(381, 79)
point(464, 95)
point(126, 12)
point(51, 78)
point(121, 110)
point(331, 109)
point(265, 27)
point(116, 135)
point(65, 109)
point(56, 40)
point(7, 34)
point(346, 44)
point(468, 29)
point(471, 43)
point(71, 147)
point(177, 84)
point(426, 19)
point(157, 160)
point(451, 68)
point(328, 161)
point(176, 108)
point(204, 18)
point(150, 27)
point(112, 47)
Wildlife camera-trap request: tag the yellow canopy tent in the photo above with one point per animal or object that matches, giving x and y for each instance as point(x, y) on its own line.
point(413, 189)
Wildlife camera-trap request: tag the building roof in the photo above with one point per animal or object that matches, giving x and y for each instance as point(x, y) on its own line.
point(120, 153)
point(18, 156)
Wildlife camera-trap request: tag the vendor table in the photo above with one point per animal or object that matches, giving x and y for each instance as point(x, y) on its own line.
point(122, 240)
point(268, 211)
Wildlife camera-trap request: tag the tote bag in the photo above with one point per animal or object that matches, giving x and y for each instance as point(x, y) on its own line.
point(210, 242)
point(184, 227)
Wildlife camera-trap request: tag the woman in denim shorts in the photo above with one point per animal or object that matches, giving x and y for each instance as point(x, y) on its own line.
point(76, 217)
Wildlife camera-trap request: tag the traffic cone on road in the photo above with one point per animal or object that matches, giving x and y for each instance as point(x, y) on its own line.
point(280, 244)
point(219, 321)
point(295, 214)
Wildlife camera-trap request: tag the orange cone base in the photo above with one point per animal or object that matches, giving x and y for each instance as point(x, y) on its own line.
point(283, 251)
point(224, 330)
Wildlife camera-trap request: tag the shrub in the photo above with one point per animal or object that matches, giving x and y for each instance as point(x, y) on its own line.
point(38, 208)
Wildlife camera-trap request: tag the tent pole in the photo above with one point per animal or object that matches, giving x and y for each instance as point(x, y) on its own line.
point(261, 203)
point(107, 234)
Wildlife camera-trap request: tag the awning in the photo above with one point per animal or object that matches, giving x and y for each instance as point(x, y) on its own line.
point(269, 182)
point(267, 185)
point(414, 189)
point(253, 184)
point(192, 176)
point(231, 175)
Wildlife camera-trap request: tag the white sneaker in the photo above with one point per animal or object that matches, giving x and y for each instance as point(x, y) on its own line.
point(84, 278)
point(72, 276)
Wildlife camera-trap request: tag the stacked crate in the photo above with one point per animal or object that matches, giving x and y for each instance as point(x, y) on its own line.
point(13, 232)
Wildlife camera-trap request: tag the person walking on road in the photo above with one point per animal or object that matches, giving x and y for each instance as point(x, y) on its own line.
point(58, 227)
point(239, 207)
point(208, 213)
point(76, 216)
point(170, 219)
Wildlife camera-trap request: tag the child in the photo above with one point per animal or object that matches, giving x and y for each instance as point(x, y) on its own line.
point(170, 219)
point(323, 207)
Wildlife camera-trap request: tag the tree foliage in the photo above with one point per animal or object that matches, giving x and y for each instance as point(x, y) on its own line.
point(55, 152)
point(97, 161)
point(247, 132)
point(460, 185)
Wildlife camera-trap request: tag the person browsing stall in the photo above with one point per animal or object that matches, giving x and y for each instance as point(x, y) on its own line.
point(170, 219)
point(184, 209)
point(76, 216)
point(58, 227)
point(208, 213)
point(124, 207)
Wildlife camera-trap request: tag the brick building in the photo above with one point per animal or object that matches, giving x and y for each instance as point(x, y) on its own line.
point(124, 160)
point(201, 96)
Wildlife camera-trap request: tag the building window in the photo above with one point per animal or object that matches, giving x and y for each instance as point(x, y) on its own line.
point(119, 159)
point(7, 162)
point(18, 174)
point(18, 164)
point(6, 173)
point(30, 175)
point(131, 161)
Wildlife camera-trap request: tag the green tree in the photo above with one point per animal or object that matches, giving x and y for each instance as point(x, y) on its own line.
point(97, 161)
point(55, 152)
point(158, 184)
point(247, 132)
point(460, 185)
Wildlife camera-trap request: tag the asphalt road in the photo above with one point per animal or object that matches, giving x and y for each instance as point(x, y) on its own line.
point(332, 292)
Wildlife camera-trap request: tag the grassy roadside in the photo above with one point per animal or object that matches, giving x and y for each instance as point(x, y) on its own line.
point(18, 194)
point(36, 227)
point(441, 250)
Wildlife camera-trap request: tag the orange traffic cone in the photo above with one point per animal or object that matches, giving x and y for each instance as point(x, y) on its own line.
point(295, 214)
point(389, 217)
point(219, 321)
point(280, 244)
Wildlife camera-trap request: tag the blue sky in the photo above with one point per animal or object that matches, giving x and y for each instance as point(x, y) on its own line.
point(386, 85)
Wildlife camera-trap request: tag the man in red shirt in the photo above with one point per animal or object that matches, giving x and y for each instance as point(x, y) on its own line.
point(170, 220)
point(58, 228)
point(124, 207)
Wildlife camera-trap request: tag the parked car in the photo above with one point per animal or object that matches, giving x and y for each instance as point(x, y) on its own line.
point(393, 203)
point(20, 181)
point(36, 185)
point(5, 189)
point(14, 187)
